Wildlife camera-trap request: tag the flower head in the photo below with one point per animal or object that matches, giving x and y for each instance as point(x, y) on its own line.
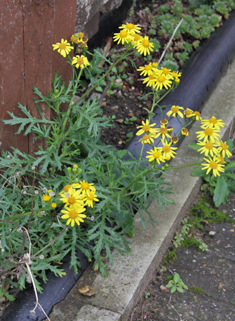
point(74, 215)
point(144, 46)
point(208, 134)
point(74, 199)
point(146, 128)
point(53, 205)
point(130, 27)
point(213, 122)
point(208, 148)
point(46, 198)
point(162, 80)
point(188, 113)
point(163, 132)
point(223, 148)
point(63, 47)
point(175, 110)
point(146, 70)
point(147, 139)
point(176, 74)
point(123, 36)
point(155, 154)
point(168, 151)
point(184, 132)
point(213, 165)
point(90, 198)
point(80, 61)
point(197, 115)
point(85, 187)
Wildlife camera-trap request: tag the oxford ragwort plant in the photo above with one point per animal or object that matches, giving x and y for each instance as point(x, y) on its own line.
point(78, 193)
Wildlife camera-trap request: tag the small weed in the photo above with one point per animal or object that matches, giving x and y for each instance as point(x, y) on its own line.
point(147, 295)
point(176, 284)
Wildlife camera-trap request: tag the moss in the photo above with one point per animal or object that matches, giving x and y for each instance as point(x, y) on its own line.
point(196, 289)
point(204, 211)
point(170, 257)
point(190, 242)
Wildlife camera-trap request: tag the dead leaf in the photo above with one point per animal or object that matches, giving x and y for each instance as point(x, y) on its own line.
point(163, 288)
point(86, 290)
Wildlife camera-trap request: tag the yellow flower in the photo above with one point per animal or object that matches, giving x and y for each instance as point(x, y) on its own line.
point(146, 70)
point(166, 72)
point(74, 199)
point(74, 216)
point(147, 139)
point(85, 187)
point(122, 36)
point(163, 132)
point(53, 205)
point(144, 46)
point(214, 165)
point(175, 110)
point(188, 113)
point(162, 81)
point(164, 121)
point(150, 80)
point(208, 134)
point(168, 151)
point(197, 115)
point(146, 128)
point(80, 61)
point(174, 139)
point(90, 197)
point(130, 27)
point(63, 47)
point(223, 148)
point(213, 122)
point(176, 74)
point(46, 198)
point(74, 39)
point(155, 154)
point(135, 38)
point(184, 132)
point(208, 148)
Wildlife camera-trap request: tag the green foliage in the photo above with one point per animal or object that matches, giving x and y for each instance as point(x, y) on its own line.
point(170, 257)
point(220, 186)
point(204, 211)
point(163, 9)
point(176, 284)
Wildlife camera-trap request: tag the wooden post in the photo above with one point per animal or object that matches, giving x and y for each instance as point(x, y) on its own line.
point(28, 28)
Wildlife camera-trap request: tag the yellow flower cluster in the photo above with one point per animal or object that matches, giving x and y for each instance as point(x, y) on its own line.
point(166, 151)
point(129, 34)
point(158, 78)
point(214, 149)
point(79, 42)
point(76, 197)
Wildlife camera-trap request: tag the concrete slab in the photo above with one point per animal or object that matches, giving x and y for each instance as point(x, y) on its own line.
point(130, 274)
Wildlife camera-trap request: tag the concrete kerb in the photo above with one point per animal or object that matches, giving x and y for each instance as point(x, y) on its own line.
point(127, 279)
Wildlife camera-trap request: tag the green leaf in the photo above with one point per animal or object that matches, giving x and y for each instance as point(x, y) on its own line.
point(176, 277)
point(194, 146)
point(198, 172)
point(173, 289)
point(179, 289)
point(98, 88)
point(230, 167)
point(221, 192)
